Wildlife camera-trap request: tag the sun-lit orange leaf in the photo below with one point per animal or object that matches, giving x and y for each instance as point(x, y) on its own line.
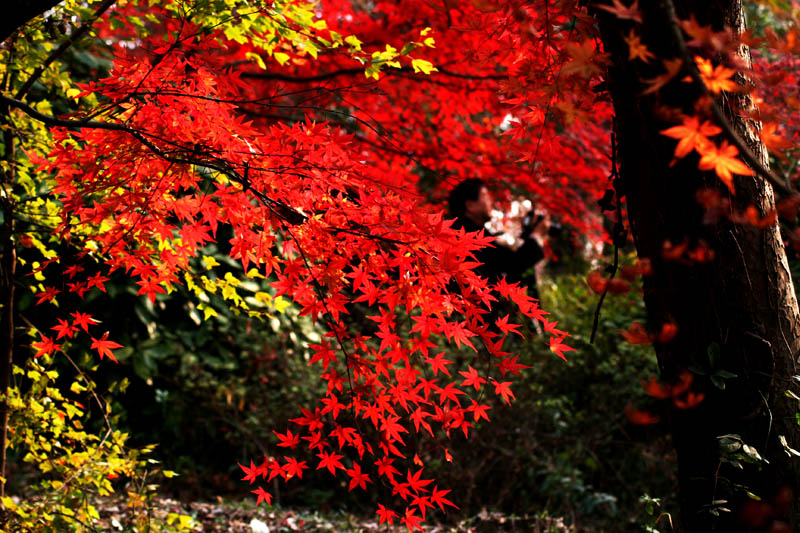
point(684, 382)
point(691, 135)
point(722, 160)
point(705, 36)
point(701, 254)
point(673, 252)
point(752, 217)
point(717, 79)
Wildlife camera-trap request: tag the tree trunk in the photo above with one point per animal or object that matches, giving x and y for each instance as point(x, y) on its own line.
point(736, 313)
point(8, 262)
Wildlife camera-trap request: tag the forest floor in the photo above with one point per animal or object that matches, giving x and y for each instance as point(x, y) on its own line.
point(226, 517)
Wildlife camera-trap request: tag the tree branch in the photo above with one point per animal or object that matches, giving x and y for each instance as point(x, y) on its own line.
point(282, 211)
point(357, 70)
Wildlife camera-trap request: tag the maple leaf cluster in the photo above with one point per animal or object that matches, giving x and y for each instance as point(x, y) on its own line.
point(187, 147)
point(302, 140)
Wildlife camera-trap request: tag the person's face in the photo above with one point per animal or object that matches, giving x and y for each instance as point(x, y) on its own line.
point(480, 210)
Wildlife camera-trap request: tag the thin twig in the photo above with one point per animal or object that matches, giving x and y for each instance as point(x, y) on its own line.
point(615, 177)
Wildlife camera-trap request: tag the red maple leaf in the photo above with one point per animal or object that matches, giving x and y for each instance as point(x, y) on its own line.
point(104, 347)
point(622, 12)
point(45, 346)
point(504, 389)
point(415, 483)
point(293, 467)
point(558, 347)
point(64, 329)
point(47, 295)
point(288, 440)
point(83, 320)
point(357, 477)
point(386, 515)
point(478, 411)
point(472, 379)
point(507, 328)
point(263, 496)
point(331, 461)
point(412, 521)
point(250, 473)
point(438, 497)
point(439, 363)
point(385, 468)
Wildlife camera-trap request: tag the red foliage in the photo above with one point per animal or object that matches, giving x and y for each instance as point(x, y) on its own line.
point(320, 177)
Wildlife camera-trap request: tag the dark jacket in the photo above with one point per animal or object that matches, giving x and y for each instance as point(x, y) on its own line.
point(498, 260)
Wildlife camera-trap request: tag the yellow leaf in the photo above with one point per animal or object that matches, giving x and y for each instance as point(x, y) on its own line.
point(422, 65)
point(254, 273)
point(281, 58)
point(281, 304)
point(208, 312)
point(354, 43)
point(210, 262)
point(263, 297)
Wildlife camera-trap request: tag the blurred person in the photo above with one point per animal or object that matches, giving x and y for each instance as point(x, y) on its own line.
point(470, 204)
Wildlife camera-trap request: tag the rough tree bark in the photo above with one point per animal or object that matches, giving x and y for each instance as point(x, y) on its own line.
point(741, 304)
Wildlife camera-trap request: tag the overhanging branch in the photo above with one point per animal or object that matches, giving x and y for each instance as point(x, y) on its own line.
point(355, 71)
point(282, 211)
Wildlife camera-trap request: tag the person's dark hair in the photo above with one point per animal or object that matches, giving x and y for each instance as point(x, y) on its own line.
point(468, 189)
